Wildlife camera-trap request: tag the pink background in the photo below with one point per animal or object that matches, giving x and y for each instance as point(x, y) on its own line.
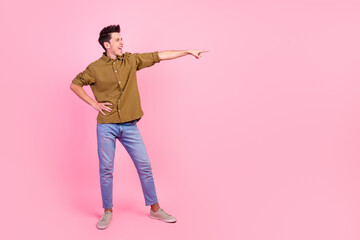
point(258, 139)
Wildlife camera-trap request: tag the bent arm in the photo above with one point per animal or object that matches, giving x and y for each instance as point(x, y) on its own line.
point(172, 54)
point(82, 94)
point(101, 107)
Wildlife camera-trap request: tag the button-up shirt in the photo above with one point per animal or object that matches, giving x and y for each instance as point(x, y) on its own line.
point(114, 81)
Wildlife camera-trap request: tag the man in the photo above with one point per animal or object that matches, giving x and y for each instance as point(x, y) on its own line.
point(112, 79)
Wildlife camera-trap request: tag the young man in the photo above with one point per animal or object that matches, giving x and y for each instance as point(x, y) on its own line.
point(112, 79)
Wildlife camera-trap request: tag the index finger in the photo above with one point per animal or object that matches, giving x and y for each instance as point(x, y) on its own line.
point(107, 103)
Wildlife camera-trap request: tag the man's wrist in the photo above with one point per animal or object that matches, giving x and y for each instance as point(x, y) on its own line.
point(93, 103)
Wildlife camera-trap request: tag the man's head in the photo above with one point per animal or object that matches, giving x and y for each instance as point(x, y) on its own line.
point(111, 40)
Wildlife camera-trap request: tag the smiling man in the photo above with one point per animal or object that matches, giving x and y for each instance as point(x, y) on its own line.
point(112, 79)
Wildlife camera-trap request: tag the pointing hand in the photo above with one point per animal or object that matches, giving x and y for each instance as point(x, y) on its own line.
point(196, 53)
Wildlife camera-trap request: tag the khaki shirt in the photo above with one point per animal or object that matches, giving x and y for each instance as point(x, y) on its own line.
point(115, 81)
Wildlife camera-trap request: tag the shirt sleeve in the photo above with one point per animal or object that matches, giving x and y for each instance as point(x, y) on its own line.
point(84, 78)
point(144, 60)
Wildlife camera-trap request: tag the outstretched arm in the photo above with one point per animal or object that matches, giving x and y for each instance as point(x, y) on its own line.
point(171, 54)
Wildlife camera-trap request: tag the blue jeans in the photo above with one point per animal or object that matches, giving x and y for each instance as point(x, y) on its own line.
point(129, 136)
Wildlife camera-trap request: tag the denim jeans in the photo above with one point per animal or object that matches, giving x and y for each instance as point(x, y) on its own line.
point(129, 136)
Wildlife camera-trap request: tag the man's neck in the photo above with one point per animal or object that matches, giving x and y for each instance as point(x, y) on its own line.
point(112, 56)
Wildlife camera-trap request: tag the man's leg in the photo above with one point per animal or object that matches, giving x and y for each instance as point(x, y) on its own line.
point(132, 141)
point(106, 140)
point(134, 145)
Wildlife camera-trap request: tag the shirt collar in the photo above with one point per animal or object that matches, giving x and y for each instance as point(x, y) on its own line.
point(107, 59)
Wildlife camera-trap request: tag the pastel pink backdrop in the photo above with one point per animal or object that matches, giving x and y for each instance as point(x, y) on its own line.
point(258, 139)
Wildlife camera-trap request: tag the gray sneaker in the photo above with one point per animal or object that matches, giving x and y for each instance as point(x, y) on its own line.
point(162, 215)
point(104, 220)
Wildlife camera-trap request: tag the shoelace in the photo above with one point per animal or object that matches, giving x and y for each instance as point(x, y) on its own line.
point(163, 212)
point(106, 216)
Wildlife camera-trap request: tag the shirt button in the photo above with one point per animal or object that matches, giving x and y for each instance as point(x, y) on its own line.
point(113, 62)
point(115, 71)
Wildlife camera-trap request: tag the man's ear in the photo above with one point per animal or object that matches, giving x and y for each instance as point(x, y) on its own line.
point(107, 45)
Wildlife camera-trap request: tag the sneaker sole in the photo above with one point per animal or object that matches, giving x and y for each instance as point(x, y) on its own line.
point(102, 228)
point(164, 220)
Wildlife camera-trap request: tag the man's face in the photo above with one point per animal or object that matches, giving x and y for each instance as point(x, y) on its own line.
point(116, 44)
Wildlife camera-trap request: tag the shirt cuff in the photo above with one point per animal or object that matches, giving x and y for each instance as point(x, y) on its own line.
point(77, 82)
point(156, 57)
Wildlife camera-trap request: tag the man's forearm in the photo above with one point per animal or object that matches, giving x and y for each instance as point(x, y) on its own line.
point(82, 94)
point(171, 54)
point(101, 107)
